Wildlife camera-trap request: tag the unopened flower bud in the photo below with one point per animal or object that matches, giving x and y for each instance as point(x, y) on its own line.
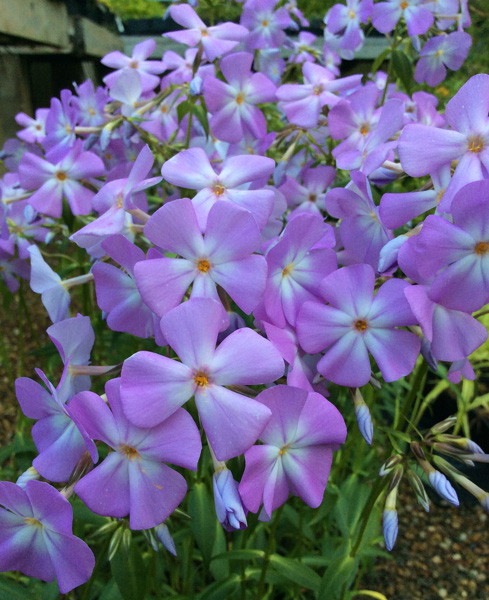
point(163, 534)
point(396, 477)
point(229, 508)
point(389, 464)
point(418, 488)
point(443, 487)
point(363, 416)
point(29, 475)
point(444, 425)
point(195, 86)
point(390, 520)
point(417, 451)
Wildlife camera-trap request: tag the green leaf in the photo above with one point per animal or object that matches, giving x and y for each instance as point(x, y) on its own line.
point(295, 571)
point(12, 590)
point(379, 60)
point(337, 577)
point(240, 555)
point(203, 523)
point(403, 69)
point(182, 109)
point(201, 115)
point(220, 567)
point(220, 589)
point(129, 571)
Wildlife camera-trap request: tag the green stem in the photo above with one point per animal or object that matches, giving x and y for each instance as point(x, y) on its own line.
point(394, 45)
point(374, 494)
point(266, 558)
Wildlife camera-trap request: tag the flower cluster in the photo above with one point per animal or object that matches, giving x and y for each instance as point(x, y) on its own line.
point(261, 264)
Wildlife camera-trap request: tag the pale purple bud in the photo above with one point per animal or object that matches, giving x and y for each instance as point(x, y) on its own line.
point(229, 508)
point(390, 527)
point(29, 475)
point(443, 487)
point(363, 416)
point(195, 86)
point(163, 534)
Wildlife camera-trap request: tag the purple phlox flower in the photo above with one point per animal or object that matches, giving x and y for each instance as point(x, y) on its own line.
point(223, 257)
point(375, 147)
point(215, 41)
point(397, 209)
point(423, 149)
point(147, 70)
point(442, 9)
point(128, 91)
point(114, 198)
point(421, 109)
point(60, 123)
point(191, 169)
point(331, 60)
point(133, 480)
point(74, 340)
point(55, 296)
point(362, 231)
point(385, 16)
point(34, 129)
point(308, 197)
point(459, 369)
point(457, 254)
point(296, 14)
point(36, 536)
point(269, 61)
point(346, 20)
point(302, 103)
point(20, 223)
point(229, 508)
point(296, 266)
point(297, 450)
point(117, 293)
point(453, 335)
point(266, 25)
point(59, 177)
point(352, 118)
point(232, 104)
point(251, 145)
point(13, 150)
point(59, 439)
point(154, 386)
point(181, 68)
point(276, 220)
point(163, 120)
point(301, 367)
point(11, 267)
point(302, 49)
point(356, 323)
point(90, 103)
point(439, 53)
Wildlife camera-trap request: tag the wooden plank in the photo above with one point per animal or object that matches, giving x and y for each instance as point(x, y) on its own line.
point(96, 40)
point(41, 21)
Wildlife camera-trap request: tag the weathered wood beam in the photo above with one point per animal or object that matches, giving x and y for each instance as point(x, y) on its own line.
point(41, 21)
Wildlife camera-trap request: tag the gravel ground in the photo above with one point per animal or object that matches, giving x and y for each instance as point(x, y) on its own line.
point(443, 554)
point(440, 554)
